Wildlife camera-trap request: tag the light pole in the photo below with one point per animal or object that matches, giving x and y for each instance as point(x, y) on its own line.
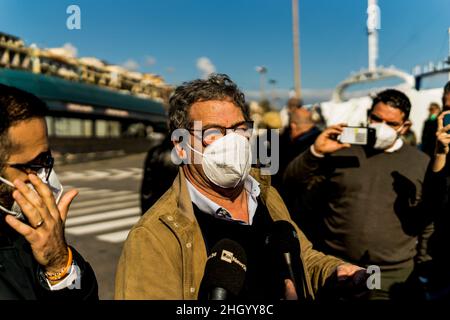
point(296, 44)
point(262, 79)
point(273, 82)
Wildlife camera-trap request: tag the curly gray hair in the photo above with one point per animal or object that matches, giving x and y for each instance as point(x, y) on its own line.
point(216, 87)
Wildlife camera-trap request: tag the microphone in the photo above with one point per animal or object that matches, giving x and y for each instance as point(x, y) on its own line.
point(224, 271)
point(284, 245)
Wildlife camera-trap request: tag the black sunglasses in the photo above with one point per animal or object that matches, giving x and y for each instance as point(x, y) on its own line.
point(43, 161)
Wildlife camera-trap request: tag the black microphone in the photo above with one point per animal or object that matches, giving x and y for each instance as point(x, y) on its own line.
point(284, 245)
point(224, 271)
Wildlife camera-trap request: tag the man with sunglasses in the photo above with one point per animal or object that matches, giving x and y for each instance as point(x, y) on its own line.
point(35, 260)
point(216, 195)
point(369, 202)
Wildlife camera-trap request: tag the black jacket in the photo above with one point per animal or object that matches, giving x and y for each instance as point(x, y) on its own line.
point(21, 279)
point(429, 137)
point(159, 173)
point(289, 149)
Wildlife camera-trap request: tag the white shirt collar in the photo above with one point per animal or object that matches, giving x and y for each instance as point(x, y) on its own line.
point(208, 206)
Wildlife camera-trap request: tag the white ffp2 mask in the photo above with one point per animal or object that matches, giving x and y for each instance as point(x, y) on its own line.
point(385, 135)
point(227, 161)
point(53, 183)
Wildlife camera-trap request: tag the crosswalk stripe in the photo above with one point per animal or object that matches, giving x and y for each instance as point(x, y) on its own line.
point(110, 199)
point(103, 226)
point(114, 237)
point(108, 174)
point(91, 191)
point(103, 216)
point(84, 193)
point(103, 208)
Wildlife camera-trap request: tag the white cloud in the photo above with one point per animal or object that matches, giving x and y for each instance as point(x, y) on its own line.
point(71, 49)
point(149, 60)
point(131, 65)
point(205, 66)
point(170, 69)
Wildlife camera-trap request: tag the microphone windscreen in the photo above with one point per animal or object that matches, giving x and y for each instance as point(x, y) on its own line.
point(225, 267)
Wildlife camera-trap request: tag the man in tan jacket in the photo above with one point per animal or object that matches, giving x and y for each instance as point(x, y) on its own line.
point(215, 195)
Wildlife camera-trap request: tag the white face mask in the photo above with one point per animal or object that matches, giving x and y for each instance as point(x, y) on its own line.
point(53, 183)
point(227, 161)
point(385, 135)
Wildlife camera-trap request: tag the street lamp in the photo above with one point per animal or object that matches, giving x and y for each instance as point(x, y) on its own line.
point(262, 79)
point(296, 45)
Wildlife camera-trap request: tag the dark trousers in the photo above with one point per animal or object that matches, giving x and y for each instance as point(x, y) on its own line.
point(395, 285)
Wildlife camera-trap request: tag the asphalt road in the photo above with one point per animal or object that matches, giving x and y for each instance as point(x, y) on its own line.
point(104, 211)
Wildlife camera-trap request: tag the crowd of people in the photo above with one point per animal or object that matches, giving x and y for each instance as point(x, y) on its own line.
point(351, 207)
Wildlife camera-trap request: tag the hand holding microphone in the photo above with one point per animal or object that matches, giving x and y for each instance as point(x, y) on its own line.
point(284, 246)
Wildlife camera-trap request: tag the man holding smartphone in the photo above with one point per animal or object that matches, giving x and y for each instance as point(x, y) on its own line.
point(35, 260)
point(367, 199)
point(439, 275)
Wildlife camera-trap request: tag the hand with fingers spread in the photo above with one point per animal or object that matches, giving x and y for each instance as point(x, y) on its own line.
point(442, 143)
point(45, 231)
point(327, 141)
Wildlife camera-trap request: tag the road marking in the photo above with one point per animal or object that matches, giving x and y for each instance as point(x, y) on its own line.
point(119, 174)
point(103, 216)
point(103, 226)
point(90, 192)
point(114, 237)
point(70, 175)
point(111, 199)
point(104, 208)
point(108, 174)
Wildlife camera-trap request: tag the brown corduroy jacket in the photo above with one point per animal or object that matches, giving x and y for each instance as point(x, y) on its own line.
point(164, 256)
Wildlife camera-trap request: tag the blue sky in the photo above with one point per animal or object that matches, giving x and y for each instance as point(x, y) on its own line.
point(168, 37)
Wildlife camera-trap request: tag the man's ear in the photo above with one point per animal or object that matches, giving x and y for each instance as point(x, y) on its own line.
point(406, 127)
point(181, 152)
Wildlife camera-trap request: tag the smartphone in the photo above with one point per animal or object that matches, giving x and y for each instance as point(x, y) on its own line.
point(357, 135)
point(447, 121)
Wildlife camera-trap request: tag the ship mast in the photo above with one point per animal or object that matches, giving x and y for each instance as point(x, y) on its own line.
point(373, 25)
point(373, 72)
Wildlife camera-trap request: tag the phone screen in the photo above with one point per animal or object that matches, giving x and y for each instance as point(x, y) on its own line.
point(355, 135)
point(447, 121)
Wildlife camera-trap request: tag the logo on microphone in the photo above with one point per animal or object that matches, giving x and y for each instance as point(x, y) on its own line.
point(229, 257)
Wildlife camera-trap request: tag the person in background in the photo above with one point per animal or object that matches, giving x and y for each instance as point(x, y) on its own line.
point(159, 173)
point(429, 129)
point(35, 259)
point(292, 104)
point(366, 204)
point(438, 274)
point(301, 135)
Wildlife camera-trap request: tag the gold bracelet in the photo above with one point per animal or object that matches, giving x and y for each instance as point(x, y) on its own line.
point(61, 274)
